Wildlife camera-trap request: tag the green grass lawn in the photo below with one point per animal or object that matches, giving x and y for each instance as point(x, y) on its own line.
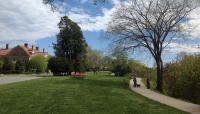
point(95, 94)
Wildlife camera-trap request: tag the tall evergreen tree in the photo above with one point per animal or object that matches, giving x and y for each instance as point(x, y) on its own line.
point(71, 43)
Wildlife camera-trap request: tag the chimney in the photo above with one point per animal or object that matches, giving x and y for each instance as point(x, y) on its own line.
point(37, 48)
point(7, 46)
point(43, 50)
point(32, 47)
point(26, 45)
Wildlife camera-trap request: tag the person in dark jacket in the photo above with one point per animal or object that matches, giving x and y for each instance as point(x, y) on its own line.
point(134, 82)
point(148, 83)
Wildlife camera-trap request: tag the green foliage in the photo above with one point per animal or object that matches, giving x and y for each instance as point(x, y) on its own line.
point(8, 65)
point(39, 63)
point(60, 65)
point(150, 73)
point(1, 64)
point(71, 43)
point(182, 79)
point(120, 64)
point(80, 67)
point(138, 69)
point(107, 63)
point(94, 59)
point(131, 67)
point(22, 66)
point(121, 69)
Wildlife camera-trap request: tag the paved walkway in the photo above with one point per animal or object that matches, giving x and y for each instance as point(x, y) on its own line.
point(11, 79)
point(176, 103)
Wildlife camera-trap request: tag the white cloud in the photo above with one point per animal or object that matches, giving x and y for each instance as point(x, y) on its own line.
point(116, 2)
point(177, 48)
point(27, 20)
point(96, 23)
point(30, 20)
point(194, 23)
point(88, 22)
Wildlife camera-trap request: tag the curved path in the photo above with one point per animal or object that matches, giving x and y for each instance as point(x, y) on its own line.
point(176, 103)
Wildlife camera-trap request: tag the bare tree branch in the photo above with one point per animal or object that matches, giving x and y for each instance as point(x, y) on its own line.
point(152, 24)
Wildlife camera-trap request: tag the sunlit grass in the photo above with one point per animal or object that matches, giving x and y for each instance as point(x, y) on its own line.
point(94, 94)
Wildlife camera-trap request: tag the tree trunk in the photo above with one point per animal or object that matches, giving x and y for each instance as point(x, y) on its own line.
point(159, 63)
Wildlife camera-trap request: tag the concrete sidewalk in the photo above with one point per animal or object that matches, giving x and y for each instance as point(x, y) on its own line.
point(176, 103)
point(11, 79)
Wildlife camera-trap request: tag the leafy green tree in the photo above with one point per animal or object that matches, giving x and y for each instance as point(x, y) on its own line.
point(60, 66)
point(107, 63)
point(71, 43)
point(94, 59)
point(138, 69)
point(121, 69)
point(39, 63)
point(120, 63)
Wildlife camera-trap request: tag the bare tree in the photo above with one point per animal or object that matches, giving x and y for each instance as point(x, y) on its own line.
point(149, 24)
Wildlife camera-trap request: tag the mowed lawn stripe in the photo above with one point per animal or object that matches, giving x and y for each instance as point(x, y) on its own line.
point(95, 94)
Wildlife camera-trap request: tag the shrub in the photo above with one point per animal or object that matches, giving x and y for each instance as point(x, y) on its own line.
point(22, 66)
point(130, 67)
point(12, 72)
point(1, 64)
point(182, 79)
point(39, 63)
point(8, 65)
point(60, 66)
point(121, 69)
point(79, 66)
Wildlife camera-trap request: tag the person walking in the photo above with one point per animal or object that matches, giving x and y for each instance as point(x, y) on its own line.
point(134, 82)
point(148, 83)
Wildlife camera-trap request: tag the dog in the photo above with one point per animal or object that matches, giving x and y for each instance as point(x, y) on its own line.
point(138, 85)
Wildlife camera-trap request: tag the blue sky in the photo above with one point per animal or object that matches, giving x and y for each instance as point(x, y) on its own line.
point(93, 39)
point(79, 7)
point(33, 22)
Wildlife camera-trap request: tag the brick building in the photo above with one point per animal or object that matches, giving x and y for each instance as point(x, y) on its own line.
point(21, 52)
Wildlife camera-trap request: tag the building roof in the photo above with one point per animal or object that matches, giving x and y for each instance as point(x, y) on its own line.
point(25, 49)
point(4, 52)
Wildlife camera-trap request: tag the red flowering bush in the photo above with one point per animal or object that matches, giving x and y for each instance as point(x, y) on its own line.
point(78, 74)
